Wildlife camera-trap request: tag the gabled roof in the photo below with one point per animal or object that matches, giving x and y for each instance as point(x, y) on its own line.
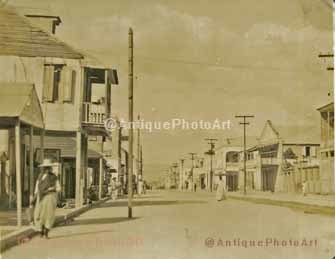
point(19, 100)
point(238, 142)
point(291, 134)
point(327, 107)
point(19, 37)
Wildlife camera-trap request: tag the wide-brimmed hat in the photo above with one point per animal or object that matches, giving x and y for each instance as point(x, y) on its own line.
point(47, 162)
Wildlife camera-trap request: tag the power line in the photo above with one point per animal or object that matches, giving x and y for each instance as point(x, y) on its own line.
point(217, 65)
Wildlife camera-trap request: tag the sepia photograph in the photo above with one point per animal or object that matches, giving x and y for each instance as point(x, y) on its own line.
point(167, 129)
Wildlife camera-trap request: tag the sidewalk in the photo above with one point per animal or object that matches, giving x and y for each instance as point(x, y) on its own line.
point(309, 199)
point(11, 235)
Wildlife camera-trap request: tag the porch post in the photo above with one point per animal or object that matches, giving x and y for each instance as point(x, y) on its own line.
point(31, 163)
point(100, 177)
point(18, 174)
point(42, 143)
point(78, 170)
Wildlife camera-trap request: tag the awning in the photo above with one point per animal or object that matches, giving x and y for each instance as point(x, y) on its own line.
point(19, 101)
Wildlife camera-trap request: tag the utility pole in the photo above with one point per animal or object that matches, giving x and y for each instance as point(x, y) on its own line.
point(141, 159)
point(192, 168)
point(130, 120)
point(138, 151)
point(328, 55)
point(181, 173)
point(244, 123)
point(174, 173)
point(211, 153)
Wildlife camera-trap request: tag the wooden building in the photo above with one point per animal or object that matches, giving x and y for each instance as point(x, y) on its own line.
point(74, 93)
point(20, 116)
point(283, 158)
point(327, 147)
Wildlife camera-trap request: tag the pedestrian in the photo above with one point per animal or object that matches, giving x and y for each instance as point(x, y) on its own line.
point(186, 185)
point(46, 189)
point(304, 187)
point(114, 189)
point(220, 190)
point(195, 187)
point(140, 187)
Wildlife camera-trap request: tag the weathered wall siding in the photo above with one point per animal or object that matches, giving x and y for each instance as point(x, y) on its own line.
point(57, 116)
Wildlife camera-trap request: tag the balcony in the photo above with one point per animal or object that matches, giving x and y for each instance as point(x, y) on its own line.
point(94, 114)
point(270, 160)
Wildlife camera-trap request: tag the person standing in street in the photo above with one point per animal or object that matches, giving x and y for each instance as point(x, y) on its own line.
point(304, 187)
point(46, 189)
point(114, 189)
point(220, 190)
point(140, 187)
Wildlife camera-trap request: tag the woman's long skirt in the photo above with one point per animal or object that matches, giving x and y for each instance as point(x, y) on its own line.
point(45, 211)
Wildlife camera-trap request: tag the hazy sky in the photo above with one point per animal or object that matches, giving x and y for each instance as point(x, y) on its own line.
point(206, 60)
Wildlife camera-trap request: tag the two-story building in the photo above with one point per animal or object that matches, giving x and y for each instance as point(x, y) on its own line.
point(227, 163)
point(327, 147)
point(74, 93)
point(283, 158)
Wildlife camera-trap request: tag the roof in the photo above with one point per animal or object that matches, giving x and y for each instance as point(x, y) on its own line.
point(292, 134)
point(19, 100)
point(19, 37)
point(327, 107)
point(67, 145)
point(54, 17)
point(238, 142)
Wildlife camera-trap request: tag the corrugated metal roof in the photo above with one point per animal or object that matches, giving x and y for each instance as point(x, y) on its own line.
point(18, 37)
point(67, 145)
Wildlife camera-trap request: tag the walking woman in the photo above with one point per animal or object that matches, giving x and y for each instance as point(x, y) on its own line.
point(220, 190)
point(47, 187)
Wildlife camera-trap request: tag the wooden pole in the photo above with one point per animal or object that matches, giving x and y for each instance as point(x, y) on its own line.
point(100, 178)
point(42, 144)
point(18, 174)
point(130, 118)
point(78, 170)
point(31, 163)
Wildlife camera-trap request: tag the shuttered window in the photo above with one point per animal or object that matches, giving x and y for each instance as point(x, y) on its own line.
point(68, 81)
point(48, 83)
point(52, 78)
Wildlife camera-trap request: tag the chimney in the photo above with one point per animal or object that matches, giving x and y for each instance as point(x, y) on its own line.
point(45, 22)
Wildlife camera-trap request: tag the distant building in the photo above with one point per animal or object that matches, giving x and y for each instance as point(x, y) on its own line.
point(327, 147)
point(283, 158)
point(226, 161)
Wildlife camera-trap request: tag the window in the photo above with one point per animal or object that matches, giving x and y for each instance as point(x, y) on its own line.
point(308, 151)
point(59, 83)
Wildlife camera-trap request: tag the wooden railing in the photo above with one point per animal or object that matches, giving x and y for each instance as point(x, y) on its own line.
point(93, 113)
point(270, 160)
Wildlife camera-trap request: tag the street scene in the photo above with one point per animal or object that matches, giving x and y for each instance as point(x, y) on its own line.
point(167, 129)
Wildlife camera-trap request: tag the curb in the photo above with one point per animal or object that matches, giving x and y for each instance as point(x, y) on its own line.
point(25, 234)
point(305, 207)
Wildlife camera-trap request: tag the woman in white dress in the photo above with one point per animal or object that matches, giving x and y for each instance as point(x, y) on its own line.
point(47, 187)
point(220, 190)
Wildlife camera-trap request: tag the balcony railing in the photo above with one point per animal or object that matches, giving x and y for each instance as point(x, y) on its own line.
point(93, 113)
point(270, 161)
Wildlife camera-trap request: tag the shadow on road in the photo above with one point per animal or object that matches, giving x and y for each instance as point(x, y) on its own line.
point(81, 234)
point(136, 203)
point(97, 221)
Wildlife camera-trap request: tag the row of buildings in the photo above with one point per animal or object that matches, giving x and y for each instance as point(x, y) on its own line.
point(53, 104)
point(280, 159)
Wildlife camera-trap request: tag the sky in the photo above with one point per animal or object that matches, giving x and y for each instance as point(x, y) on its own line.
point(205, 60)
